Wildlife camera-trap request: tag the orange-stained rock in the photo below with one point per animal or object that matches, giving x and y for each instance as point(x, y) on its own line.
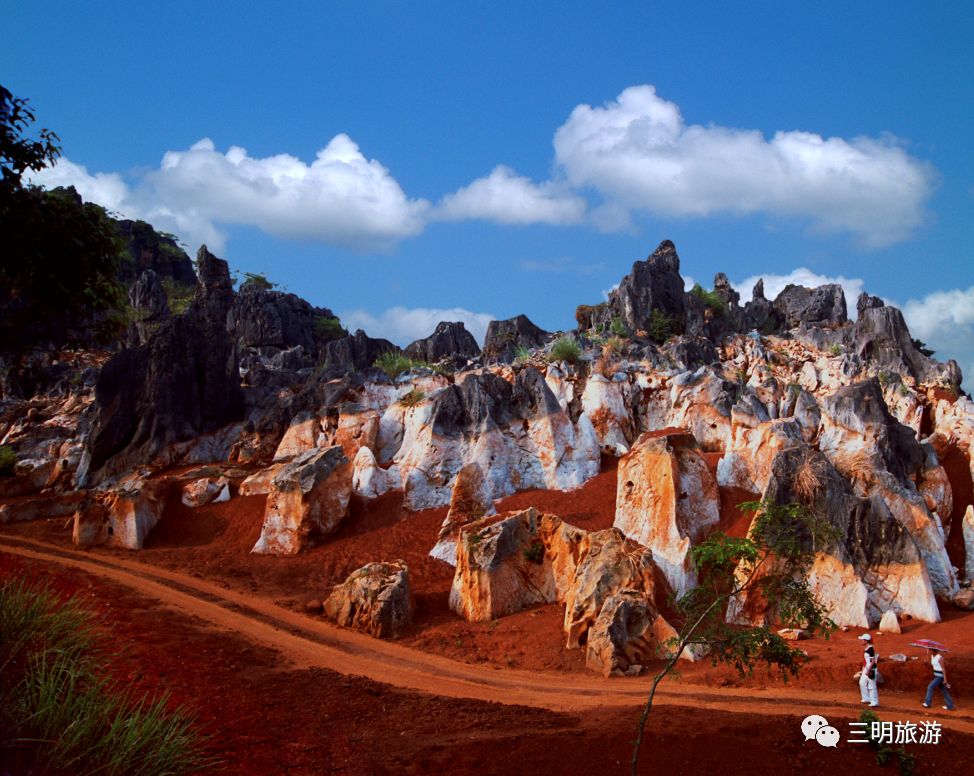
point(205, 490)
point(375, 599)
point(667, 499)
point(308, 498)
point(122, 517)
point(510, 561)
point(606, 563)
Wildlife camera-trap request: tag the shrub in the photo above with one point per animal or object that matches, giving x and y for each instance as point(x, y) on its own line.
point(660, 326)
point(565, 349)
point(58, 710)
point(178, 295)
point(922, 347)
point(522, 355)
point(836, 349)
point(710, 299)
point(618, 328)
point(258, 280)
point(411, 399)
point(395, 363)
point(8, 459)
point(328, 328)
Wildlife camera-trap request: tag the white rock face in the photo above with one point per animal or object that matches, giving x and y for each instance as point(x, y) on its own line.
point(604, 401)
point(308, 497)
point(369, 480)
point(889, 623)
point(667, 499)
point(469, 502)
point(207, 490)
point(259, 482)
point(967, 526)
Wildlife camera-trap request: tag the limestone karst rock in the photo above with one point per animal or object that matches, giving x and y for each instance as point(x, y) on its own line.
point(375, 599)
point(653, 284)
point(308, 498)
point(667, 500)
point(449, 340)
point(505, 337)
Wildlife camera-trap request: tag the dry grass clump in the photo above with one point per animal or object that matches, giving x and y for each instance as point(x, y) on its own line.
point(808, 478)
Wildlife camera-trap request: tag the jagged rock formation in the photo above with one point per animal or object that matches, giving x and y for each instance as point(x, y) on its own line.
point(505, 337)
point(470, 501)
point(375, 599)
point(628, 632)
point(149, 305)
point(182, 383)
point(820, 306)
point(308, 499)
point(653, 284)
point(150, 250)
point(354, 352)
point(667, 501)
point(449, 340)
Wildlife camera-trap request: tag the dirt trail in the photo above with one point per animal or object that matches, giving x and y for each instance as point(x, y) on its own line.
point(305, 643)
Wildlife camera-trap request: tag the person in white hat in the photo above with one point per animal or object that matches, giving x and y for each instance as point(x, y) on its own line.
point(867, 677)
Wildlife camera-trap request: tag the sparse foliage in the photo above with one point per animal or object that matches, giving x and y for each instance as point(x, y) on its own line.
point(770, 564)
point(395, 363)
point(328, 328)
point(8, 459)
point(565, 349)
point(412, 398)
point(660, 326)
point(710, 299)
point(618, 328)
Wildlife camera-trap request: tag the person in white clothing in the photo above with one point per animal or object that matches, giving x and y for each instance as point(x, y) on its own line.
point(867, 677)
point(939, 680)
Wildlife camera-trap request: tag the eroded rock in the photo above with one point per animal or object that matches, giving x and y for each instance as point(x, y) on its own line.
point(375, 599)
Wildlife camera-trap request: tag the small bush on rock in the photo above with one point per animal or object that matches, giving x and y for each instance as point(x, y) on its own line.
point(565, 349)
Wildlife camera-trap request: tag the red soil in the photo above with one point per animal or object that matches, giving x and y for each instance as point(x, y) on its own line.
point(264, 718)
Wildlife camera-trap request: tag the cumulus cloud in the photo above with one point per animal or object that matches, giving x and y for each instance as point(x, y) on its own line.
point(505, 197)
point(638, 152)
point(341, 197)
point(774, 284)
point(945, 321)
point(403, 325)
point(561, 265)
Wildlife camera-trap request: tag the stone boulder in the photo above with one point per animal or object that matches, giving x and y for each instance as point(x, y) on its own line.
point(122, 517)
point(605, 563)
point(824, 305)
point(627, 634)
point(889, 623)
point(449, 340)
point(653, 284)
point(308, 499)
point(667, 500)
point(505, 337)
point(510, 561)
point(182, 383)
point(470, 501)
point(206, 490)
point(375, 599)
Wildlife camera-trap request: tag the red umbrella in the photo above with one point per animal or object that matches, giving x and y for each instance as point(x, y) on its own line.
point(929, 644)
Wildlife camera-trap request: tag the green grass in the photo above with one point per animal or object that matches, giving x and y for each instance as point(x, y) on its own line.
point(710, 299)
point(618, 328)
point(522, 355)
point(411, 399)
point(395, 363)
point(178, 295)
point(660, 326)
point(59, 711)
point(565, 349)
point(8, 460)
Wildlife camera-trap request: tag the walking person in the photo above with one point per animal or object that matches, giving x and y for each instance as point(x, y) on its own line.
point(939, 680)
point(867, 677)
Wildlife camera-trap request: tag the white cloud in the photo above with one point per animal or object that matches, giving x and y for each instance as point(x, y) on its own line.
point(774, 284)
point(640, 154)
point(403, 325)
point(340, 198)
point(507, 198)
point(945, 321)
point(561, 265)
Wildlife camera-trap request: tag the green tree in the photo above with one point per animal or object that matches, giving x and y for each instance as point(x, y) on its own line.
point(59, 257)
point(770, 565)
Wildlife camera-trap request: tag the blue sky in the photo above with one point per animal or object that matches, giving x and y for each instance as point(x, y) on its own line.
point(460, 174)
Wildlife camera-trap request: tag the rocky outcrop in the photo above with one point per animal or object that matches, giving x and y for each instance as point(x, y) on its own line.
point(354, 353)
point(653, 284)
point(269, 321)
point(627, 634)
point(504, 338)
point(206, 490)
point(667, 500)
point(180, 384)
point(375, 599)
point(967, 526)
point(760, 314)
point(470, 501)
point(150, 250)
point(508, 562)
point(150, 306)
point(122, 517)
point(606, 563)
point(824, 305)
point(449, 340)
point(308, 499)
